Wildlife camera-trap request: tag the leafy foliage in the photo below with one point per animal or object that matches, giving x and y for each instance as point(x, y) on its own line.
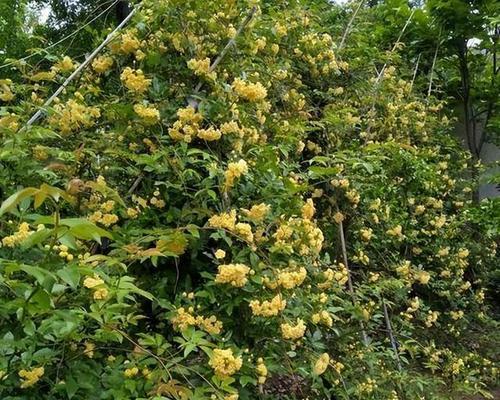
point(289, 224)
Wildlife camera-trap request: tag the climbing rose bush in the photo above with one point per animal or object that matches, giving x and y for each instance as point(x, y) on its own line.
point(281, 223)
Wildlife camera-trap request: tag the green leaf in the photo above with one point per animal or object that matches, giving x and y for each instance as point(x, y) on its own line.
point(70, 275)
point(10, 203)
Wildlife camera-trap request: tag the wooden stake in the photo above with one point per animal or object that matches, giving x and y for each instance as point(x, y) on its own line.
point(350, 285)
point(391, 335)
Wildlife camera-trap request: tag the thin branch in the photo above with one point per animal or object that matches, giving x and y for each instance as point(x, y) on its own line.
point(433, 65)
point(391, 334)
point(415, 72)
point(381, 74)
point(349, 24)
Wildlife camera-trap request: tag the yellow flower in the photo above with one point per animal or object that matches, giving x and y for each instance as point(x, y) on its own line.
point(101, 294)
point(224, 363)
point(92, 282)
point(244, 230)
point(30, 377)
point(65, 65)
point(182, 320)
point(234, 170)
point(291, 279)
point(149, 115)
point(338, 217)
point(322, 317)
point(89, 349)
point(268, 308)
point(420, 209)
point(129, 43)
point(22, 233)
point(201, 67)
point(234, 274)
point(223, 221)
point(308, 209)
point(249, 91)
point(257, 212)
point(456, 315)
point(72, 115)
point(397, 231)
point(423, 277)
point(131, 372)
point(134, 80)
point(209, 134)
point(5, 90)
point(210, 325)
point(321, 364)
point(366, 234)
point(293, 332)
point(261, 370)
point(102, 64)
point(220, 254)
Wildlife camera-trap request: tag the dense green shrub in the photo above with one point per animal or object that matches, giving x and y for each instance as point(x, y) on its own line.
point(261, 229)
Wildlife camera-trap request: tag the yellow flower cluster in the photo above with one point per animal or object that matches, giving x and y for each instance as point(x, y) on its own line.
point(102, 64)
point(149, 115)
point(367, 387)
point(210, 325)
point(64, 252)
point(210, 134)
point(396, 232)
point(431, 319)
point(5, 90)
point(89, 349)
point(268, 308)
point(30, 377)
point(456, 315)
point(234, 274)
point(97, 284)
point(10, 121)
point(366, 234)
point(257, 212)
point(131, 372)
point(22, 234)
point(127, 44)
point(293, 332)
point(249, 91)
point(322, 317)
point(71, 116)
point(321, 364)
point(423, 277)
point(244, 231)
point(135, 80)
point(309, 238)
point(64, 65)
point(106, 219)
point(224, 363)
point(261, 370)
point(184, 319)
point(201, 67)
point(234, 171)
point(290, 279)
point(187, 125)
point(223, 220)
point(308, 209)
